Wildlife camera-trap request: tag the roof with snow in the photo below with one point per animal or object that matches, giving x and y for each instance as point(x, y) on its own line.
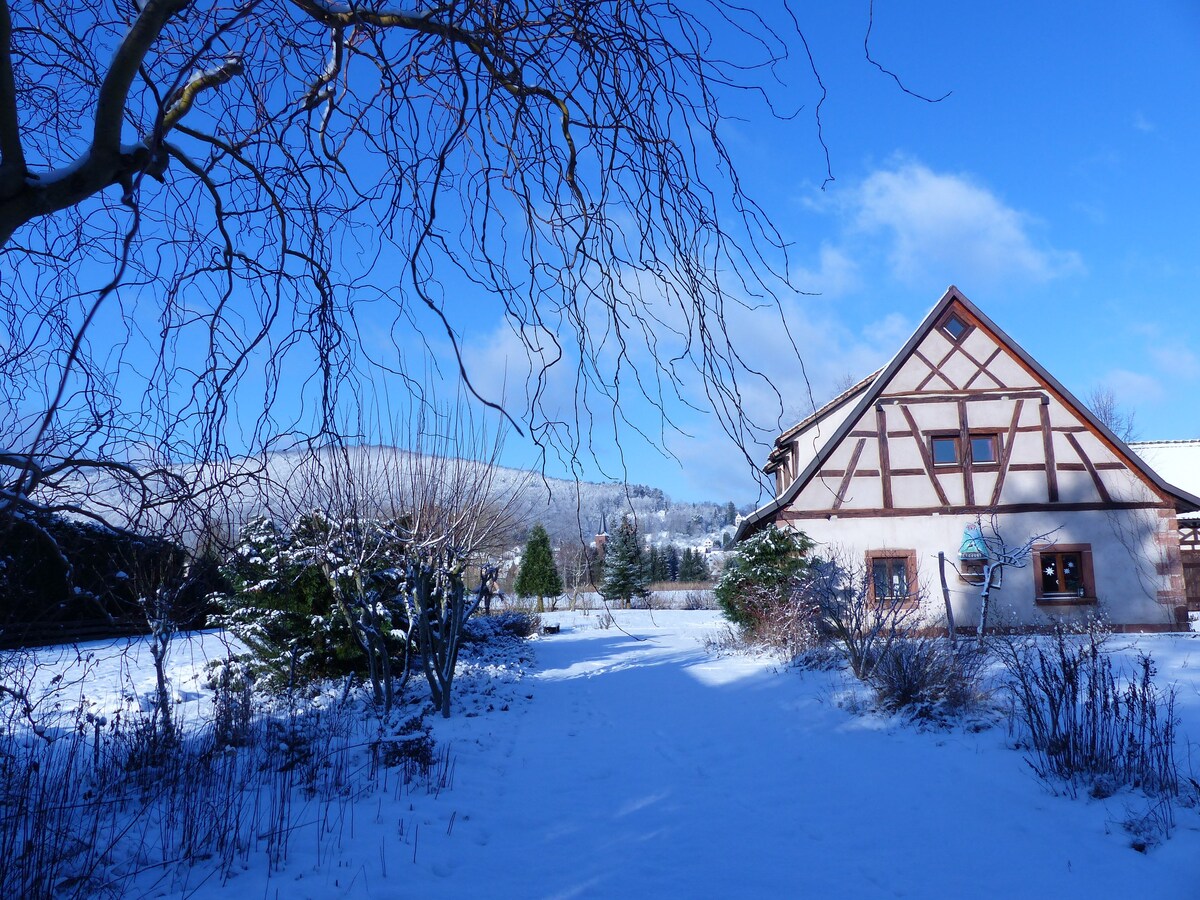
point(1177, 462)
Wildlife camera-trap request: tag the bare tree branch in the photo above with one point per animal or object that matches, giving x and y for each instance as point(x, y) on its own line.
point(341, 194)
point(889, 72)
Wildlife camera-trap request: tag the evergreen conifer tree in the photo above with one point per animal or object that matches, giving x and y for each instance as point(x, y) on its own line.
point(672, 557)
point(658, 565)
point(693, 566)
point(626, 574)
point(539, 575)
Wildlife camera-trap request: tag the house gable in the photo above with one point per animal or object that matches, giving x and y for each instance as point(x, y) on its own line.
point(797, 446)
point(961, 420)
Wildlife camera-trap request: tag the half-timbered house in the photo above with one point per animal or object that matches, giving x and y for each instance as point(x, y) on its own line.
point(962, 425)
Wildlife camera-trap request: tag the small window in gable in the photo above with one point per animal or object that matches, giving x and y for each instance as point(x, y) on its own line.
point(945, 450)
point(984, 448)
point(954, 327)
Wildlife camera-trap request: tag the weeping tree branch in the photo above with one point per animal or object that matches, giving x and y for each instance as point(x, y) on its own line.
point(341, 194)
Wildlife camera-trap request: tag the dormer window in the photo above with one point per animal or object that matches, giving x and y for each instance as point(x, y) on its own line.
point(954, 327)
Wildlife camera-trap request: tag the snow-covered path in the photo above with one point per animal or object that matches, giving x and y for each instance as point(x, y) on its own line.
point(639, 765)
point(646, 768)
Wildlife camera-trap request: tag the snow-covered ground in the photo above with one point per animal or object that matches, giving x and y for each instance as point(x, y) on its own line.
point(628, 761)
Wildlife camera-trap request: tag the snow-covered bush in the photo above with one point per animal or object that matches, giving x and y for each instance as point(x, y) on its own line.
point(514, 622)
point(59, 578)
point(325, 598)
point(232, 685)
point(697, 599)
point(764, 574)
point(861, 627)
point(788, 626)
point(410, 746)
point(285, 605)
point(928, 677)
point(1085, 722)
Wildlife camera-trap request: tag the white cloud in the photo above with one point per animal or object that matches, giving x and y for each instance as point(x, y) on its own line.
point(1133, 389)
point(835, 274)
point(890, 331)
point(947, 228)
point(1175, 359)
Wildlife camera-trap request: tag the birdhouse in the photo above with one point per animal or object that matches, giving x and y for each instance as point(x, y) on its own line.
point(973, 548)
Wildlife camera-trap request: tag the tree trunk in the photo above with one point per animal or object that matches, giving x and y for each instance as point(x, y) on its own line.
point(946, 597)
point(985, 596)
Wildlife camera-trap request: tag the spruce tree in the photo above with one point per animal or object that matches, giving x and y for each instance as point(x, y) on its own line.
point(658, 565)
point(539, 575)
point(626, 574)
point(693, 566)
point(672, 562)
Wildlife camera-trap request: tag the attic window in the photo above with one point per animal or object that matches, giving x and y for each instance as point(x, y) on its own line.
point(954, 327)
point(984, 448)
point(945, 450)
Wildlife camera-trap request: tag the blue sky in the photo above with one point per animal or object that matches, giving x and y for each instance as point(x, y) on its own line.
point(1056, 187)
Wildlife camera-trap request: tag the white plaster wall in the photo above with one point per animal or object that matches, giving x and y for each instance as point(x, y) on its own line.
point(959, 370)
point(904, 453)
point(910, 374)
point(978, 344)
point(1011, 373)
point(1124, 553)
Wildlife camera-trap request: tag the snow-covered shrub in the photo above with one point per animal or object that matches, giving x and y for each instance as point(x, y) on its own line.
point(285, 605)
point(357, 595)
point(788, 626)
point(1150, 826)
point(410, 746)
point(1086, 723)
point(763, 574)
point(862, 628)
point(232, 685)
point(724, 640)
point(515, 622)
point(60, 578)
point(928, 677)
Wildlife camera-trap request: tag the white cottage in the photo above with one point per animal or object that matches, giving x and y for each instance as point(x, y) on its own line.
point(963, 424)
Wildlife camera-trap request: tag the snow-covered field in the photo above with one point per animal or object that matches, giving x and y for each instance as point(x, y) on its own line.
point(628, 761)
